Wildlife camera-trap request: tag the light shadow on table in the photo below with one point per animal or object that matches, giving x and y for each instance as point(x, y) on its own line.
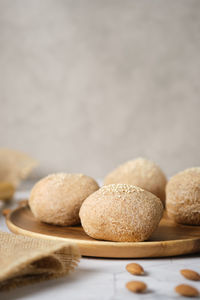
point(25, 292)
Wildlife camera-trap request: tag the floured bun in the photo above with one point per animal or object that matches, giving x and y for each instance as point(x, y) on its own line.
point(121, 212)
point(183, 197)
point(140, 172)
point(57, 198)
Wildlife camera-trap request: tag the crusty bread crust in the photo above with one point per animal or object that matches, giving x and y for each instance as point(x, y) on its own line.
point(183, 197)
point(57, 198)
point(140, 172)
point(121, 212)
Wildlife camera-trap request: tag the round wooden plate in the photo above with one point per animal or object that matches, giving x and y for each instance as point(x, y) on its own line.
point(169, 239)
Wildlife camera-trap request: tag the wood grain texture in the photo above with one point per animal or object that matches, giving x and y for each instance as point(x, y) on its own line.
point(169, 239)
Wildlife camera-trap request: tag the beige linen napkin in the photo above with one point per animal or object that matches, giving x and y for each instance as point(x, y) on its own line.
point(25, 260)
point(15, 166)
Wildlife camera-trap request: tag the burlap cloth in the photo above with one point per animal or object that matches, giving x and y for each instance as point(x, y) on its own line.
point(26, 260)
point(15, 166)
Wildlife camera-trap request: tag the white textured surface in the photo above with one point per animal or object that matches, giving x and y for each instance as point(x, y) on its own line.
point(86, 85)
point(105, 279)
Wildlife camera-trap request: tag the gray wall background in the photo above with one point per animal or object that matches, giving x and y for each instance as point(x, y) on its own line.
point(86, 85)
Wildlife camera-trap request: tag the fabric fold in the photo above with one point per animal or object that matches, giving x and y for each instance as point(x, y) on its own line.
point(25, 260)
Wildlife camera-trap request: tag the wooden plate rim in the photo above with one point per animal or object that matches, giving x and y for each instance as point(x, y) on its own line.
point(17, 229)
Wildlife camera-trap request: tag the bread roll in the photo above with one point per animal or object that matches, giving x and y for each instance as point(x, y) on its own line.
point(57, 198)
point(140, 172)
point(183, 197)
point(121, 212)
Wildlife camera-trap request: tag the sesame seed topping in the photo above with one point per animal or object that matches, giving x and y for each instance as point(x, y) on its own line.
point(58, 179)
point(120, 188)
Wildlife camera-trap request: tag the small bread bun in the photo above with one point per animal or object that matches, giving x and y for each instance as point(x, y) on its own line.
point(57, 198)
point(121, 212)
point(140, 172)
point(183, 197)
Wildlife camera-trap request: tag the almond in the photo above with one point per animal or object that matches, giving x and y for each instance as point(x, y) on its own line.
point(6, 211)
point(135, 269)
point(136, 286)
point(190, 274)
point(186, 290)
point(7, 190)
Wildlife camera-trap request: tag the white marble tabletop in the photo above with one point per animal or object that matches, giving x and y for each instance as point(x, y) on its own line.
point(105, 279)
